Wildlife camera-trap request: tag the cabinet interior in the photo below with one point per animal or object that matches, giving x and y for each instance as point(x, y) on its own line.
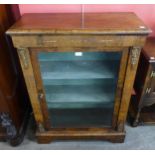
point(80, 87)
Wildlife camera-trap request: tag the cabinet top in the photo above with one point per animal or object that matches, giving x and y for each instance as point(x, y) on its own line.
point(77, 23)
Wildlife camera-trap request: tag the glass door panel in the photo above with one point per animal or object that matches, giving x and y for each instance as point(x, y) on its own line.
point(80, 87)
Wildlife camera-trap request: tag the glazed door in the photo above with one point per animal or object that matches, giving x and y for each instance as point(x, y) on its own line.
point(79, 89)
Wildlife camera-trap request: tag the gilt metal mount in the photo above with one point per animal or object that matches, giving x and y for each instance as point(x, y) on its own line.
point(23, 56)
point(135, 55)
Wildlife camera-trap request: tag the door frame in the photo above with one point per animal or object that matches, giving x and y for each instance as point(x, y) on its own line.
point(41, 92)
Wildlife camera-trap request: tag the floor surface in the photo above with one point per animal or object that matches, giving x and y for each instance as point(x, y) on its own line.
point(142, 137)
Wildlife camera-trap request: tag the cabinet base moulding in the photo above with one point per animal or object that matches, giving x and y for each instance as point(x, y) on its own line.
point(49, 136)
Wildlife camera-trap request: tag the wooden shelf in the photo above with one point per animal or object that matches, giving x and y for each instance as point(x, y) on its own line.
point(96, 81)
point(79, 96)
point(78, 70)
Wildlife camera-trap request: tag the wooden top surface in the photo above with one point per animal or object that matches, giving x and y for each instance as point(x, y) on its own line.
point(149, 48)
point(73, 23)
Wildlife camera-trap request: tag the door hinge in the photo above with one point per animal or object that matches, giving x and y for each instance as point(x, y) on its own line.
point(148, 90)
point(152, 74)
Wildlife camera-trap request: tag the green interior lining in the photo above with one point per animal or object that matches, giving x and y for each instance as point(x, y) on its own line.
point(80, 90)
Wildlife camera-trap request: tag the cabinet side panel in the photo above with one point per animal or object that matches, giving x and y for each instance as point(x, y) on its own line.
point(30, 83)
point(128, 86)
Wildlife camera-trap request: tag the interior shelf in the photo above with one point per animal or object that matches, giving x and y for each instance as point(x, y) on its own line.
point(78, 69)
point(79, 105)
point(79, 96)
point(84, 82)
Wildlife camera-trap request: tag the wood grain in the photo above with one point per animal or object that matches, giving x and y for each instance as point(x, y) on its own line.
point(77, 40)
point(102, 134)
point(31, 85)
point(75, 23)
point(126, 94)
point(120, 84)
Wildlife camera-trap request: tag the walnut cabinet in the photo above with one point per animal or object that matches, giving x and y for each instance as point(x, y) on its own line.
point(79, 70)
